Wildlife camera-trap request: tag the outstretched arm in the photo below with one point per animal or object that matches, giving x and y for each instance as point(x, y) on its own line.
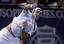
point(27, 6)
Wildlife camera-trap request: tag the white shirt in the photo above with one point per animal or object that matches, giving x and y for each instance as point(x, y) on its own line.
point(25, 16)
point(7, 38)
point(5, 35)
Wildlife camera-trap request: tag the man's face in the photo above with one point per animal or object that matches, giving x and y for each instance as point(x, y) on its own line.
point(37, 13)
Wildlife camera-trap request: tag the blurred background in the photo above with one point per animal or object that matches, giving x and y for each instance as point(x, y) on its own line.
point(51, 20)
point(58, 3)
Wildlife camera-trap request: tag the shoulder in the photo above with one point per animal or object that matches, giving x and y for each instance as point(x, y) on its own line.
point(19, 19)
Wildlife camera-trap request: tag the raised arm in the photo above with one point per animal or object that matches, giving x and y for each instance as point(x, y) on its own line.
point(27, 6)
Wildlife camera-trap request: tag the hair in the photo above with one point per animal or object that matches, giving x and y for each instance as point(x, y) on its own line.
point(37, 8)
